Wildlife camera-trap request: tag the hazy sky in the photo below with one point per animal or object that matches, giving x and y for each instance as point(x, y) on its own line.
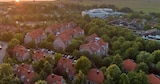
point(25, 0)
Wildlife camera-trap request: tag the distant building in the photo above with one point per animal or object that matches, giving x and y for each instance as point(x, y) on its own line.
point(100, 13)
point(36, 36)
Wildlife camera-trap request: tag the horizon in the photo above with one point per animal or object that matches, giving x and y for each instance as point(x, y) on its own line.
point(24, 0)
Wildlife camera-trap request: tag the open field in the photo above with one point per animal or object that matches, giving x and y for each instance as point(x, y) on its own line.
point(137, 5)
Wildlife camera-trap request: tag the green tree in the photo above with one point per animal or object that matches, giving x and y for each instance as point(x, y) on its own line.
point(144, 56)
point(124, 79)
point(158, 66)
point(142, 66)
point(83, 64)
point(112, 74)
point(41, 82)
point(156, 55)
point(57, 56)
point(131, 53)
point(80, 78)
point(106, 61)
point(117, 59)
point(20, 37)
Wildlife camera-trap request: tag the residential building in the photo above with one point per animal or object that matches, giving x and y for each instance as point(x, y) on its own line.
point(154, 79)
point(67, 65)
point(95, 45)
point(36, 36)
point(95, 76)
point(129, 65)
point(21, 53)
point(56, 29)
point(63, 39)
point(55, 79)
point(25, 73)
point(37, 55)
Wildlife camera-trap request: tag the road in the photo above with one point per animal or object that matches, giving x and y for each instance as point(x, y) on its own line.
point(3, 51)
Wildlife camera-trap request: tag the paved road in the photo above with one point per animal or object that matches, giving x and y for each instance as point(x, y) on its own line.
point(3, 51)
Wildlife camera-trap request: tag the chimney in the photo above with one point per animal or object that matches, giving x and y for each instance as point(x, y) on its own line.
point(29, 71)
point(52, 75)
point(72, 64)
point(44, 56)
point(22, 64)
point(97, 71)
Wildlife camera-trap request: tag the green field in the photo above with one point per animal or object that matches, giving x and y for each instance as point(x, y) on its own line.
point(137, 5)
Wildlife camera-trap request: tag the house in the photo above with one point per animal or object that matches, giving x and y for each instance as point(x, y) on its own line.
point(95, 76)
point(21, 53)
point(38, 55)
point(129, 65)
point(154, 79)
point(58, 28)
point(95, 45)
point(36, 36)
point(63, 40)
point(55, 79)
point(25, 73)
point(67, 65)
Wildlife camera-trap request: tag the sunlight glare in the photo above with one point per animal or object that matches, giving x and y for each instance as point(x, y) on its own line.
point(17, 0)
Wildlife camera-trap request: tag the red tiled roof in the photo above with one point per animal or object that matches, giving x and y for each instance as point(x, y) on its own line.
point(129, 65)
point(21, 50)
point(61, 62)
point(54, 78)
point(36, 33)
point(38, 55)
point(153, 79)
point(96, 76)
point(91, 37)
point(21, 67)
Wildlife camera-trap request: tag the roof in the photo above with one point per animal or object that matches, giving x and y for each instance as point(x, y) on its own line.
point(153, 79)
point(38, 55)
point(36, 33)
point(54, 78)
point(25, 71)
point(91, 37)
point(129, 65)
point(21, 50)
point(95, 75)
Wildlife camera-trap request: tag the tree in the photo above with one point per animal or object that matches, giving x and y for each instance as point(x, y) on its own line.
point(106, 61)
point(158, 66)
point(57, 56)
point(142, 66)
point(124, 79)
point(83, 64)
point(20, 37)
point(41, 82)
point(156, 55)
point(131, 53)
point(145, 57)
point(112, 74)
point(80, 78)
point(7, 75)
point(117, 59)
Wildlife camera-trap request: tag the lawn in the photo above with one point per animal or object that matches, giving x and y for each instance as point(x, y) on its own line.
point(137, 5)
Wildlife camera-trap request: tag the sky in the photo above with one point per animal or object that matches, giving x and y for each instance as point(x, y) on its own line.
point(25, 0)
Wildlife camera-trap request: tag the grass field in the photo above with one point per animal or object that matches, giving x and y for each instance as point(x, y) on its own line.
point(137, 5)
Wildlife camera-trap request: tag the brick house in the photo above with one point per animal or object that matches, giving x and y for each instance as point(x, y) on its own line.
point(95, 45)
point(38, 54)
point(66, 65)
point(63, 40)
point(36, 35)
point(95, 76)
point(25, 73)
point(58, 28)
point(21, 53)
point(55, 79)
point(129, 65)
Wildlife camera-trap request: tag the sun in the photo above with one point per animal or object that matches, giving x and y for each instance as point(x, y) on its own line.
point(17, 0)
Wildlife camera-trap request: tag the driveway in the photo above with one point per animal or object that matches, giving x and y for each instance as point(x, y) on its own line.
point(3, 51)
